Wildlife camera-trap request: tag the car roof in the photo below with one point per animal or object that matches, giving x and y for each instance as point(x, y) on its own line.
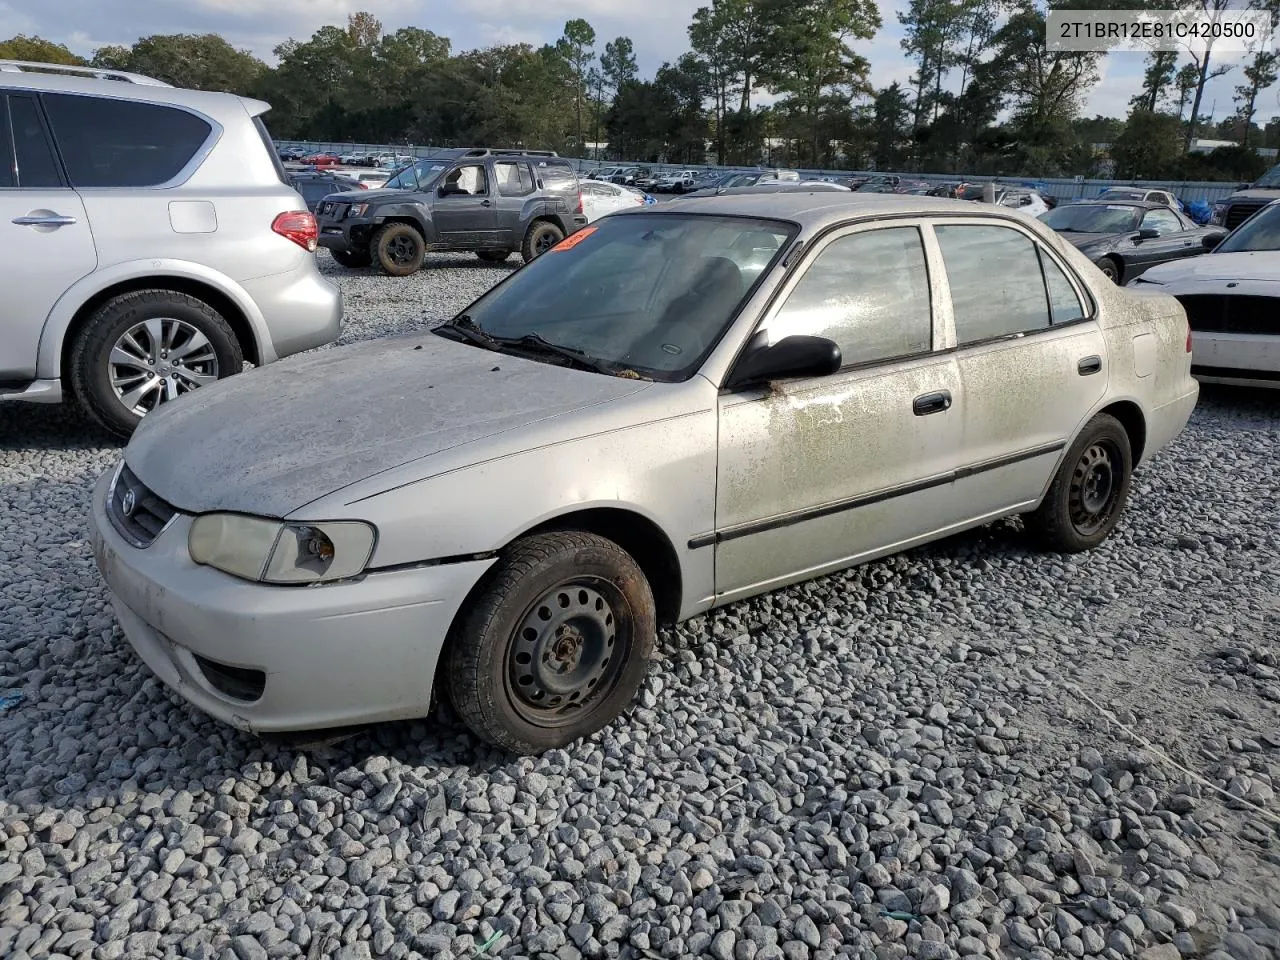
point(817, 209)
point(203, 101)
point(1126, 202)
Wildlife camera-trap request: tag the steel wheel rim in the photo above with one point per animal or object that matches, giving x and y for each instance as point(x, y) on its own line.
point(544, 241)
point(1095, 487)
point(402, 249)
point(158, 360)
point(568, 652)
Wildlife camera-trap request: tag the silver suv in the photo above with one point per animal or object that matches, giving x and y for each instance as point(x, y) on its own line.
point(149, 242)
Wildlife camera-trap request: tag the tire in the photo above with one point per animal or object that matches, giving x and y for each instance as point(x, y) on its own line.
point(1089, 491)
point(1110, 269)
point(149, 325)
point(504, 677)
point(352, 258)
point(399, 249)
point(493, 256)
point(541, 237)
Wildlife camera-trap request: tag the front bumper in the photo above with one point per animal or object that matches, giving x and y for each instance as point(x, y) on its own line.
point(345, 236)
point(1241, 358)
point(325, 656)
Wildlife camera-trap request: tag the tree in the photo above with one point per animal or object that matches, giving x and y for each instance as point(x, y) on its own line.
point(1161, 66)
point(198, 61)
point(617, 66)
point(38, 50)
point(1260, 73)
point(576, 48)
point(1185, 83)
point(932, 28)
point(1148, 148)
point(890, 127)
point(731, 37)
point(1201, 57)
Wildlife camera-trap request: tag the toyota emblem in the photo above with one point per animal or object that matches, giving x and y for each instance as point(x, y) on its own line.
point(128, 503)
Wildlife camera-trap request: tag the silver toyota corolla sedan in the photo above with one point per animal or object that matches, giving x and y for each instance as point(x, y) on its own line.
point(677, 408)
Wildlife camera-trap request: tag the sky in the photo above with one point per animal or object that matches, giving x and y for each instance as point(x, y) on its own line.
point(658, 29)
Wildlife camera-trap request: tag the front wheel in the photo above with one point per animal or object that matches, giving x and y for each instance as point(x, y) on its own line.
point(399, 249)
point(1089, 491)
point(143, 349)
point(1110, 269)
point(556, 644)
point(542, 236)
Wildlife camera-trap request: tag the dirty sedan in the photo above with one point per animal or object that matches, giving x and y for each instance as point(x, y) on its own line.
point(677, 408)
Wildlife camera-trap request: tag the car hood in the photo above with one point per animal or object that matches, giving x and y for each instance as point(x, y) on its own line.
point(369, 196)
point(1082, 240)
point(272, 440)
point(1257, 193)
point(1252, 265)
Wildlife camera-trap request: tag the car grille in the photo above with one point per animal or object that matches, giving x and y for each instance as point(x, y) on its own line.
point(137, 514)
point(332, 208)
point(1238, 213)
point(1223, 313)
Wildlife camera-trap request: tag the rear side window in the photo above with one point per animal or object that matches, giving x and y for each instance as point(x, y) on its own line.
point(996, 285)
point(35, 164)
point(123, 143)
point(1064, 304)
point(514, 179)
point(267, 142)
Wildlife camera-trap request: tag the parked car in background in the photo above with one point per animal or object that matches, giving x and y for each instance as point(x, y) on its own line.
point(599, 198)
point(1232, 299)
point(619, 436)
point(916, 188)
point(1126, 239)
point(1248, 200)
point(486, 201)
point(1163, 197)
point(679, 181)
point(783, 186)
point(369, 179)
point(321, 160)
point(151, 244)
point(287, 155)
point(315, 185)
point(734, 180)
point(627, 175)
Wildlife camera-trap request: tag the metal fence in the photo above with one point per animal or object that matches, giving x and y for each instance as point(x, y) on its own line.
point(1067, 188)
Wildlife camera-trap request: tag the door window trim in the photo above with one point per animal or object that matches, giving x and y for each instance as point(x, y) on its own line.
point(178, 179)
point(1043, 249)
point(815, 248)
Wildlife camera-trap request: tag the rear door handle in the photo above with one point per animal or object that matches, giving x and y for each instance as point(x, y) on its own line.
point(928, 403)
point(44, 220)
point(1089, 365)
point(484, 203)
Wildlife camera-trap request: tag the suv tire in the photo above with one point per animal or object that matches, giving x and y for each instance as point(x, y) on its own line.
point(399, 249)
point(352, 258)
point(149, 325)
point(493, 256)
point(541, 237)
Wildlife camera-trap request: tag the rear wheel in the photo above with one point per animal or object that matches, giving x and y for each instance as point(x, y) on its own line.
point(493, 256)
point(556, 644)
point(399, 249)
point(540, 238)
point(352, 258)
point(1090, 490)
point(146, 348)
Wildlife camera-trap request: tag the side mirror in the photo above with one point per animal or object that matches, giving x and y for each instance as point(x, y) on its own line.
point(1210, 240)
point(796, 356)
point(1147, 233)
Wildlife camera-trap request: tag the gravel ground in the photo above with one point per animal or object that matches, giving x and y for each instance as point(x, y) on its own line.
point(968, 751)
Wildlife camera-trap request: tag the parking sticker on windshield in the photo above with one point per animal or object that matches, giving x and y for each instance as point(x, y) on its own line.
point(571, 241)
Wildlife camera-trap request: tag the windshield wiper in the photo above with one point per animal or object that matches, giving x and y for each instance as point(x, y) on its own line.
point(534, 343)
point(466, 328)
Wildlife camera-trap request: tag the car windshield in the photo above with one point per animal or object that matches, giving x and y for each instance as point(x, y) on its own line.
point(418, 176)
point(1270, 179)
point(1259, 232)
point(1092, 218)
point(633, 295)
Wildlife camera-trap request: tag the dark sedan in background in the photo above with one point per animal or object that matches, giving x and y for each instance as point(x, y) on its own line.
point(1124, 239)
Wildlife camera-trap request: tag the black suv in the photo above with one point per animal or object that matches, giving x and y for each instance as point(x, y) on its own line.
point(1249, 199)
point(491, 201)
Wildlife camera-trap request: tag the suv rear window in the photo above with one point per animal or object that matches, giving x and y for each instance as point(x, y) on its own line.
point(122, 143)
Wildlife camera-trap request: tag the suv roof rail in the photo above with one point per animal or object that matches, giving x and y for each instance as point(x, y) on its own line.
point(101, 73)
point(508, 152)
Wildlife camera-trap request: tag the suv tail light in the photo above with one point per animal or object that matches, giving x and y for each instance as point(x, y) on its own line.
point(579, 208)
point(299, 226)
point(1188, 336)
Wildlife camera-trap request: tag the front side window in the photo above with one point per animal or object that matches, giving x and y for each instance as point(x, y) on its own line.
point(123, 143)
point(869, 292)
point(1162, 221)
point(996, 285)
point(466, 181)
point(34, 162)
point(1259, 232)
point(643, 294)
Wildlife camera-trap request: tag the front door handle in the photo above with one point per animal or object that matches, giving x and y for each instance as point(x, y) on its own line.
point(927, 403)
point(44, 220)
point(1089, 365)
point(485, 203)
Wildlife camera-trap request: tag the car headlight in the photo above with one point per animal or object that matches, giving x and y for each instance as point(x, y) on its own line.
point(357, 210)
point(272, 551)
